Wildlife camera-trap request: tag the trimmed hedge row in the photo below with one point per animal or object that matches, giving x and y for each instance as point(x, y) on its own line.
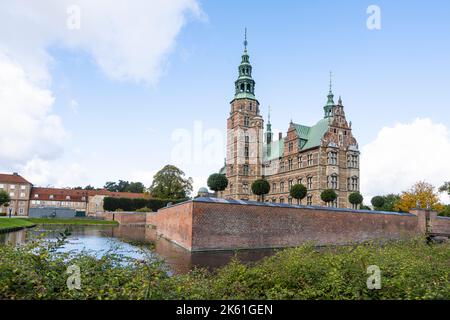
point(126, 204)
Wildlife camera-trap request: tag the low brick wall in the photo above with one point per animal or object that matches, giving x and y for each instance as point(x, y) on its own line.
point(217, 224)
point(135, 218)
point(440, 225)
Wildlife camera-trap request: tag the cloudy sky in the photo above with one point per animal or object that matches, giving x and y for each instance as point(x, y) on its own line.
point(92, 91)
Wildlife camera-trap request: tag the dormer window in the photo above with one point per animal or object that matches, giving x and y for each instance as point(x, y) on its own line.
point(36, 196)
point(67, 197)
point(51, 196)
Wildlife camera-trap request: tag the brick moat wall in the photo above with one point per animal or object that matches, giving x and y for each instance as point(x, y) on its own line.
point(211, 225)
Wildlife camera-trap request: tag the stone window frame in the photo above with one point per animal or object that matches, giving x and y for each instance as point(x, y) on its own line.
point(333, 157)
point(333, 181)
point(309, 182)
point(310, 159)
point(309, 199)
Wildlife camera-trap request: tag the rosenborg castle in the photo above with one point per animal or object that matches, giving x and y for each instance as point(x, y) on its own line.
point(322, 156)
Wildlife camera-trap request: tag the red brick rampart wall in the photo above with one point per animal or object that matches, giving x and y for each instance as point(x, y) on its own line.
point(439, 225)
point(202, 225)
point(174, 223)
point(135, 218)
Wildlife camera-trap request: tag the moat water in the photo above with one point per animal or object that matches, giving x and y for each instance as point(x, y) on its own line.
point(134, 242)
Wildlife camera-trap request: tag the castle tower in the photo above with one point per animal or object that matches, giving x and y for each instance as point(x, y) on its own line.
point(244, 134)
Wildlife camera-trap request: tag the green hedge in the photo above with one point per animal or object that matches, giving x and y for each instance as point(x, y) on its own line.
point(126, 204)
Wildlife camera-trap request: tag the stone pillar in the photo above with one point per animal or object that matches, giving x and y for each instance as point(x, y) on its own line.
point(425, 218)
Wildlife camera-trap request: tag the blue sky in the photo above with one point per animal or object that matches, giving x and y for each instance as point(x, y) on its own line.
point(122, 129)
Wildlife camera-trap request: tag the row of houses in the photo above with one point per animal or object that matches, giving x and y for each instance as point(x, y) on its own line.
point(25, 196)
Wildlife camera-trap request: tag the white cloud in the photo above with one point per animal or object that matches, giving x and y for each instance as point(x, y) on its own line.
point(404, 154)
point(54, 173)
point(129, 40)
point(28, 128)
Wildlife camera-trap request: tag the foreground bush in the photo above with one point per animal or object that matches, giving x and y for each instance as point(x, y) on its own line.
point(409, 270)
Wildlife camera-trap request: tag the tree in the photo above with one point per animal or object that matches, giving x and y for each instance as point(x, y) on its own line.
point(355, 199)
point(169, 183)
point(135, 187)
point(260, 188)
point(217, 182)
point(445, 212)
point(298, 191)
point(328, 196)
point(111, 186)
point(421, 195)
point(445, 188)
point(89, 187)
point(4, 198)
point(378, 202)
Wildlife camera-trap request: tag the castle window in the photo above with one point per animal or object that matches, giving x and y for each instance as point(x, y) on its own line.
point(246, 170)
point(250, 106)
point(245, 188)
point(290, 183)
point(332, 181)
point(282, 165)
point(246, 152)
point(310, 159)
point(290, 164)
point(299, 181)
point(334, 204)
point(281, 186)
point(242, 87)
point(332, 158)
point(291, 146)
point(248, 87)
point(352, 184)
point(352, 161)
point(299, 160)
point(274, 187)
point(309, 183)
point(309, 200)
point(246, 121)
point(247, 139)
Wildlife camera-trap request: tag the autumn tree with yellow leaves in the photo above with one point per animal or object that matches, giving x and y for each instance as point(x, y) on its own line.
point(422, 194)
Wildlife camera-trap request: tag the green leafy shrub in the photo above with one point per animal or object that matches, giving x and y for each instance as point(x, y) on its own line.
point(298, 191)
point(410, 269)
point(260, 187)
point(217, 182)
point(355, 198)
point(145, 209)
point(328, 195)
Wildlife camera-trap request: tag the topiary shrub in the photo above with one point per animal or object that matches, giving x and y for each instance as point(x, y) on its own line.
point(328, 195)
point(298, 191)
point(355, 198)
point(378, 202)
point(217, 182)
point(260, 188)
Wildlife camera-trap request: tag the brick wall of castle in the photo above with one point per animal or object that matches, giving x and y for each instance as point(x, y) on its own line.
point(218, 226)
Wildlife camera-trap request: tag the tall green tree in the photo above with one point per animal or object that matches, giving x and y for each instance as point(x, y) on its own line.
point(89, 187)
point(260, 188)
point(135, 187)
point(445, 188)
point(217, 182)
point(4, 198)
point(111, 186)
point(298, 191)
point(169, 183)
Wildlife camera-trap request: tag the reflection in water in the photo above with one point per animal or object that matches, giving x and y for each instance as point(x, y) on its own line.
point(125, 240)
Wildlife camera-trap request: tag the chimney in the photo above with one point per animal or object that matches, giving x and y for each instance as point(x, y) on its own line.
point(280, 135)
point(15, 174)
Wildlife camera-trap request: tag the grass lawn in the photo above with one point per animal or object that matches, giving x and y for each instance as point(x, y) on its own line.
point(6, 223)
point(75, 221)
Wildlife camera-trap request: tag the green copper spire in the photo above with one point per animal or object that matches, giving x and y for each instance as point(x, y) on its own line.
point(245, 85)
point(269, 131)
point(330, 102)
